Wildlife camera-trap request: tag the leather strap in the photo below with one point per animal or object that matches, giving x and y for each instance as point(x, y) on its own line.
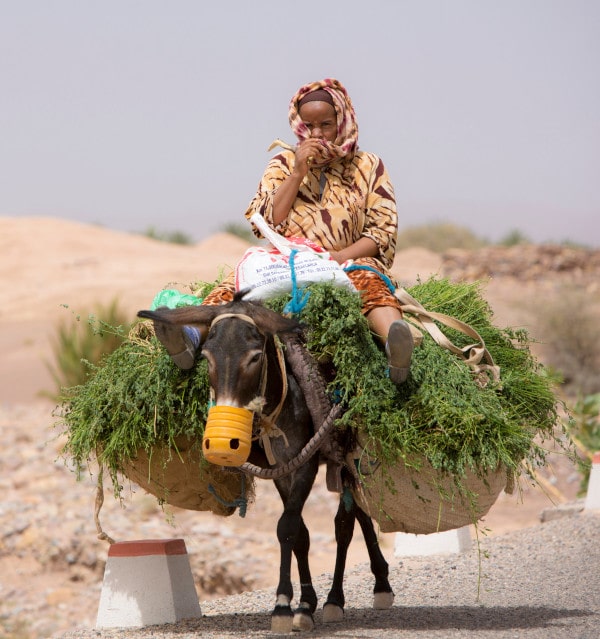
point(476, 355)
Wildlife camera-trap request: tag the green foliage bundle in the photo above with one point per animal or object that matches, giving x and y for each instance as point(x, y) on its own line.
point(135, 399)
point(440, 413)
point(138, 397)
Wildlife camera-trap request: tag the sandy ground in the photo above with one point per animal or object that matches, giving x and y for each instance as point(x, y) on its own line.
point(54, 270)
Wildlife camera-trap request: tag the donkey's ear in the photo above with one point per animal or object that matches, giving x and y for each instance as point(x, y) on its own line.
point(271, 322)
point(188, 315)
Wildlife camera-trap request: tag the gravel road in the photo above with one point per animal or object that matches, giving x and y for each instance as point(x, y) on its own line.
point(541, 582)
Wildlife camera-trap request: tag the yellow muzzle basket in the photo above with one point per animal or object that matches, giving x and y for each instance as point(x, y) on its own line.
point(227, 435)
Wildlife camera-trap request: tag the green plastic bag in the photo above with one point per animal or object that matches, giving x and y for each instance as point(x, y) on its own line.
point(172, 298)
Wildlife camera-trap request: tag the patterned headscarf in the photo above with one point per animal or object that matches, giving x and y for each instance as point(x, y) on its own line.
point(346, 141)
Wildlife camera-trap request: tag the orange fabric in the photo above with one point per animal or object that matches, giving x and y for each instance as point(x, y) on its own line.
point(373, 290)
point(222, 293)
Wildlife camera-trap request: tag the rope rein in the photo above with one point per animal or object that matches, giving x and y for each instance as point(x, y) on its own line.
point(239, 502)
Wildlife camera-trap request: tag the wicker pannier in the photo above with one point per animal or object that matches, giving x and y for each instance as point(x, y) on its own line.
point(180, 477)
point(402, 499)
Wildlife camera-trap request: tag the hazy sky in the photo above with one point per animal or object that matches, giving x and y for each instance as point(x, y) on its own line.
point(143, 113)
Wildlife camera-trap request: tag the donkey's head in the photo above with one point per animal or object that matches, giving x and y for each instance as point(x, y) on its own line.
point(237, 337)
point(240, 352)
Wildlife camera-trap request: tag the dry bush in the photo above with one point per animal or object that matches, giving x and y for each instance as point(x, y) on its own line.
point(569, 328)
point(77, 344)
point(173, 237)
point(439, 237)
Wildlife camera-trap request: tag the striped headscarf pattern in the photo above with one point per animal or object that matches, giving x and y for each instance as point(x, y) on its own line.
point(346, 141)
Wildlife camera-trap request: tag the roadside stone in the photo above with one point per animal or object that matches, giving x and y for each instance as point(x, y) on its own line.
point(561, 511)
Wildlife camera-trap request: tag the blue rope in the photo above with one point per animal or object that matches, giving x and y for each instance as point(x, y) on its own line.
point(358, 267)
point(241, 502)
point(337, 396)
point(299, 297)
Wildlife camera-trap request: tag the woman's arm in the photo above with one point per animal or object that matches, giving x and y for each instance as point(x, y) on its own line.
point(283, 199)
point(365, 247)
point(380, 229)
point(381, 223)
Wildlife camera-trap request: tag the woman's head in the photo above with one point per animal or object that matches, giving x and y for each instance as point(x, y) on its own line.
point(320, 118)
point(323, 109)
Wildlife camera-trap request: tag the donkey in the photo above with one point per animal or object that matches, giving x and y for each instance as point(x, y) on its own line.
point(245, 369)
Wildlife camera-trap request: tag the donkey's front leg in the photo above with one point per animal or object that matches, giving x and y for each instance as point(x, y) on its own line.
point(303, 615)
point(383, 594)
point(287, 532)
point(345, 518)
point(293, 537)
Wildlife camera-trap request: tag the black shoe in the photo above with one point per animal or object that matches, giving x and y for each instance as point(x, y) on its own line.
point(399, 348)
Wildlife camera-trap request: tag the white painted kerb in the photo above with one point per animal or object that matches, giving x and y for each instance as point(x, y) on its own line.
point(147, 589)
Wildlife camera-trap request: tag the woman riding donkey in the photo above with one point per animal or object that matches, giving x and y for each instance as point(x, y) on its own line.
point(328, 191)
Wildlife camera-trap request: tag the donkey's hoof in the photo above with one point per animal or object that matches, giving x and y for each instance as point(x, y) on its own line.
point(332, 613)
point(383, 600)
point(282, 619)
point(303, 620)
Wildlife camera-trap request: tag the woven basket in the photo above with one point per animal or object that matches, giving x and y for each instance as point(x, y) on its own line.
point(424, 501)
point(181, 477)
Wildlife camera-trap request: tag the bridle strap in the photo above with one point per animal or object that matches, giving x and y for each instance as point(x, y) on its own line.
point(242, 316)
point(268, 427)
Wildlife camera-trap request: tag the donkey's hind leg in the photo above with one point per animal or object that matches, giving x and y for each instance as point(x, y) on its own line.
point(383, 595)
point(348, 512)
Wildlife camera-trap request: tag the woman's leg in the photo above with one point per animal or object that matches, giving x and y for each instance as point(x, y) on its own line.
point(387, 323)
point(383, 312)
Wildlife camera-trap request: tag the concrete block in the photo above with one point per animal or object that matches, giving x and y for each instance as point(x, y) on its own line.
point(592, 498)
point(561, 511)
point(450, 541)
point(146, 583)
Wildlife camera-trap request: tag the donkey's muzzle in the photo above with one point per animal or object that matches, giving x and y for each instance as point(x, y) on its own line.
point(227, 435)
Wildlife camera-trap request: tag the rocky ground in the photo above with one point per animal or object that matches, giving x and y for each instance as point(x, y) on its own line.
point(52, 561)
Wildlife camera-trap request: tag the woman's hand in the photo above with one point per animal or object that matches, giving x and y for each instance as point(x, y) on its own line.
point(308, 153)
point(337, 256)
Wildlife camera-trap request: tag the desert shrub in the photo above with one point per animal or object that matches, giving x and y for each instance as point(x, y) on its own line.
point(514, 238)
point(585, 430)
point(174, 237)
point(439, 237)
point(569, 330)
point(79, 344)
point(242, 231)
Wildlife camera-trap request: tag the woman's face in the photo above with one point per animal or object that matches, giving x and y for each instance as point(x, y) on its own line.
point(321, 120)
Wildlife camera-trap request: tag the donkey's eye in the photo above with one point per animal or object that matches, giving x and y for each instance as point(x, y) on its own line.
point(255, 359)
